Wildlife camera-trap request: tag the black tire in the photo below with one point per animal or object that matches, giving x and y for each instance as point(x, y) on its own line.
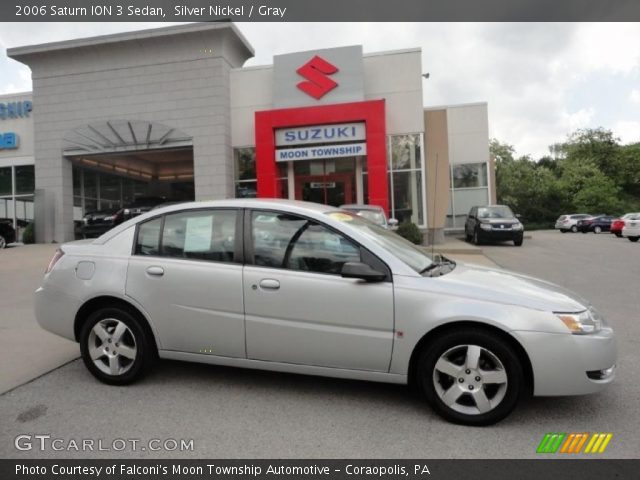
point(619, 235)
point(515, 385)
point(467, 237)
point(562, 230)
point(476, 237)
point(518, 242)
point(137, 335)
point(3, 242)
point(633, 239)
point(574, 228)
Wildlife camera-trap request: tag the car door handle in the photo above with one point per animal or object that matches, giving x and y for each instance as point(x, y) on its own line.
point(269, 284)
point(155, 271)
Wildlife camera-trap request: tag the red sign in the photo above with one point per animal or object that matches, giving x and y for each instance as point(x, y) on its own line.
point(318, 84)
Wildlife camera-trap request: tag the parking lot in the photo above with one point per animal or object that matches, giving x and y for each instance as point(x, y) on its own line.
point(234, 413)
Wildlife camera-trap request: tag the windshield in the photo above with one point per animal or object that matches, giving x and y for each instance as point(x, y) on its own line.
point(406, 251)
point(495, 212)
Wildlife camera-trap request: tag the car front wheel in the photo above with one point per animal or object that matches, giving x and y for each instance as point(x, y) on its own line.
point(471, 377)
point(633, 239)
point(115, 347)
point(3, 242)
point(574, 229)
point(476, 237)
point(597, 229)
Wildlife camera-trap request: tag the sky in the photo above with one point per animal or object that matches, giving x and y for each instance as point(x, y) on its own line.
point(541, 81)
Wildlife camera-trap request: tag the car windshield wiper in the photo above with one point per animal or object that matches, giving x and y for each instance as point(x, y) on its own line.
point(440, 261)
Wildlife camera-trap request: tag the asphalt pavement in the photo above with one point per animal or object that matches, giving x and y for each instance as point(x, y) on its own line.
point(235, 413)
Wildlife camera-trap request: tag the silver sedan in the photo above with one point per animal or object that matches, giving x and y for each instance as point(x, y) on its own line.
point(305, 288)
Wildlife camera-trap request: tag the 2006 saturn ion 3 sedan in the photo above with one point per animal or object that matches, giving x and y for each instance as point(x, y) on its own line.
point(305, 288)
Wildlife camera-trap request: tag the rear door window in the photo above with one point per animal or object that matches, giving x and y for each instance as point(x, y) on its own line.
point(195, 234)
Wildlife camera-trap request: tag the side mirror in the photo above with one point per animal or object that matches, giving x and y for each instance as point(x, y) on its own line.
point(518, 215)
point(362, 271)
point(392, 222)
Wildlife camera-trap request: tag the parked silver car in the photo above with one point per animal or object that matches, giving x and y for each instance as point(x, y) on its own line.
point(569, 223)
point(306, 288)
point(373, 213)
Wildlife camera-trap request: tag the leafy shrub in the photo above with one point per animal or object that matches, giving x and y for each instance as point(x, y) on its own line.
point(29, 236)
point(411, 232)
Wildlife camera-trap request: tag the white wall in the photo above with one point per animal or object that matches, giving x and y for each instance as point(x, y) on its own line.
point(393, 76)
point(468, 127)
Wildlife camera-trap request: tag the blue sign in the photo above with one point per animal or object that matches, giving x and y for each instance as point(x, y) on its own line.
point(318, 134)
point(8, 141)
point(15, 109)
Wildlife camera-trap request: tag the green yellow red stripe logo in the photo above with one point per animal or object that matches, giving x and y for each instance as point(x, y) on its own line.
point(575, 442)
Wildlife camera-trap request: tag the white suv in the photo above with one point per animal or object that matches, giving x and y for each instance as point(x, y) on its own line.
point(569, 223)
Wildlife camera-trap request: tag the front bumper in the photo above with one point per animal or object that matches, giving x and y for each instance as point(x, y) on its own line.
point(560, 362)
point(498, 235)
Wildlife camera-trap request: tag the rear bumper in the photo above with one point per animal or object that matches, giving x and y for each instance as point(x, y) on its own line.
point(560, 362)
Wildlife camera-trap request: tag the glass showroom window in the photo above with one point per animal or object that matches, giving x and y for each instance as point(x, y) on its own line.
point(246, 177)
point(17, 184)
point(93, 190)
point(469, 175)
point(246, 183)
point(406, 178)
point(469, 187)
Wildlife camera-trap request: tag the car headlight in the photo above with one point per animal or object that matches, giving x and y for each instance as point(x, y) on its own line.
point(110, 218)
point(582, 323)
point(517, 226)
point(485, 226)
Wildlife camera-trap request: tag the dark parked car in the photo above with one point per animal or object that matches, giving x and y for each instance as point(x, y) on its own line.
point(139, 206)
point(95, 224)
point(493, 223)
point(600, 223)
point(7, 233)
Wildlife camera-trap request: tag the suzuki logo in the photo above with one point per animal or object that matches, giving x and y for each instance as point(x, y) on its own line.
point(318, 84)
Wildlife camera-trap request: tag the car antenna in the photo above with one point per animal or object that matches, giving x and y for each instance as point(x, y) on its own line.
point(435, 199)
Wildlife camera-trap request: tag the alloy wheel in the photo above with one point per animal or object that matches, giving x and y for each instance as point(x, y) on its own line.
point(112, 347)
point(3, 242)
point(470, 379)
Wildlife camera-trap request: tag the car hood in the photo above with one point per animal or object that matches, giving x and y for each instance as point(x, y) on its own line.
point(510, 288)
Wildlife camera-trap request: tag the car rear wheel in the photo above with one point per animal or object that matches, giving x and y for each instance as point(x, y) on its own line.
point(115, 347)
point(633, 239)
point(3, 242)
point(574, 228)
point(619, 235)
point(471, 377)
point(597, 229)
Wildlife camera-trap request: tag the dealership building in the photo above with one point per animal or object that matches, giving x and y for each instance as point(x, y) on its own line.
point(173, 113)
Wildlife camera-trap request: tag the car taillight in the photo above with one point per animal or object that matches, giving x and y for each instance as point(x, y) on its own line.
point(56, 256)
